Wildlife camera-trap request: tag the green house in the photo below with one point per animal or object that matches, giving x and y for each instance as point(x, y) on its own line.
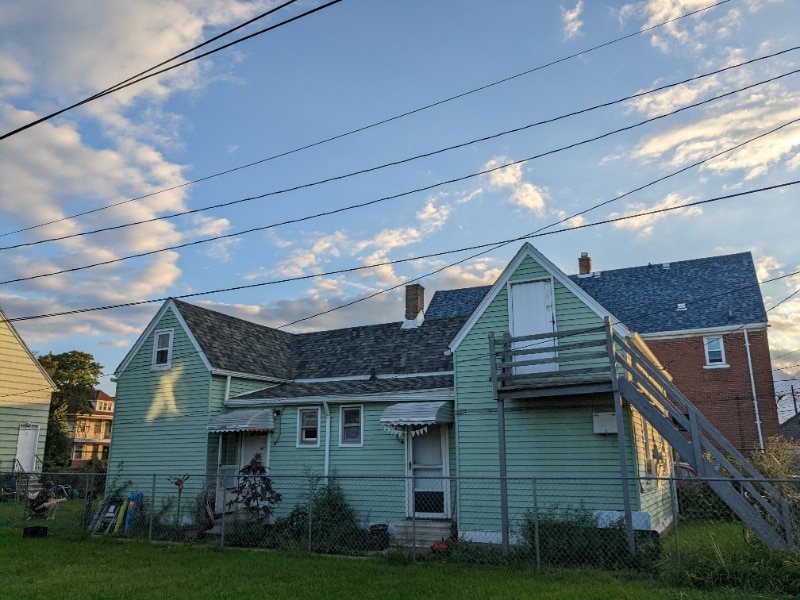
point(492, 405)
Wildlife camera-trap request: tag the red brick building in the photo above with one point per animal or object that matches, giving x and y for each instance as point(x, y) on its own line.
point(705, 321)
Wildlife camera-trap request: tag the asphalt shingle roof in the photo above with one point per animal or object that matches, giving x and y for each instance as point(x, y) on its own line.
point(717, 291)
point(237, 345)
point(233, 344)
point(447, 304)
point(351, 387)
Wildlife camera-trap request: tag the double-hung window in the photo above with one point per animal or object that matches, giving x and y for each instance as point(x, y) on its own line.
point(162, 349)
point(351, 431)
point(307, 427)
point(715, 351)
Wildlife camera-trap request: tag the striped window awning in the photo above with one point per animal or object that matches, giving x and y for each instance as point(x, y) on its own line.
point(243, 420)
point(418, 413)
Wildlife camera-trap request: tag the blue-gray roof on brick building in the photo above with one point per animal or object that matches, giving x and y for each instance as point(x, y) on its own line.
point(718, 291)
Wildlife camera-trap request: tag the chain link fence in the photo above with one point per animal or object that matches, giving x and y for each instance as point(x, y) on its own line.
point(547, 521)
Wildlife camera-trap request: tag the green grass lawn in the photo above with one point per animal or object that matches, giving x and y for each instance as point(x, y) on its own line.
point(64, 565)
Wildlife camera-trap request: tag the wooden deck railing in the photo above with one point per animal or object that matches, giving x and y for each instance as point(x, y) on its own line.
point(550, 363)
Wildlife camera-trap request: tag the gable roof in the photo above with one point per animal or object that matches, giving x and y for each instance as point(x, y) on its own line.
point(527, 251)
point(718, 291)
point(239, 346)
point(4, 321)
point(233, 345)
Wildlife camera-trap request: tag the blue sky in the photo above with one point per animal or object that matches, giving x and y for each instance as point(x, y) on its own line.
point(353, 64)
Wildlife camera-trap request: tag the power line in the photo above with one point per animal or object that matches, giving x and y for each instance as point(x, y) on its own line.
point(408, 159)
point(421, 257)
point(150, 73)
point(385, 198)
point(377, 123)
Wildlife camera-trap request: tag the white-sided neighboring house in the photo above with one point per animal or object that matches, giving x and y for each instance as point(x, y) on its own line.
point(25, 392)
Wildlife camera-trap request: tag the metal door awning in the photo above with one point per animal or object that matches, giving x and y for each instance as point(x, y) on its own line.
point(243, 420)
point(418, 413)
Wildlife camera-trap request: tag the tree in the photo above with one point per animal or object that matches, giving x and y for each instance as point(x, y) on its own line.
point(76, 375)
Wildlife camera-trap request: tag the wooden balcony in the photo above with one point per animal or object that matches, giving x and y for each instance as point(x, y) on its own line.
point(552, 364)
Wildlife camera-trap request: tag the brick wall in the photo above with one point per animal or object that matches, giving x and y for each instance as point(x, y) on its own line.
point(724, 395)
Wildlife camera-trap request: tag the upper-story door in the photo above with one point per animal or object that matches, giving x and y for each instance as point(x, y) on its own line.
point(532, 312)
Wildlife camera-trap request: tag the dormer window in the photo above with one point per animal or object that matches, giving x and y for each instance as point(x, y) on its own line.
point(162, 349)
point(715, 351)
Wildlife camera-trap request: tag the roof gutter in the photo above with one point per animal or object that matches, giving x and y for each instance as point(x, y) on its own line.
point(229, 373)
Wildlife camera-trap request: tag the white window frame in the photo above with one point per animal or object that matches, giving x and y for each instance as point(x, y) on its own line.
point(722, 363)
point(301, 441)
point(351, 444)
point(157, 349)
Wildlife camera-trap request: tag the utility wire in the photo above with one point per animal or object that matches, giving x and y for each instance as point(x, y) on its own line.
point(385, 198)
point(401, 161)
point(150, 73)
point(375, 124)
point(421, 257)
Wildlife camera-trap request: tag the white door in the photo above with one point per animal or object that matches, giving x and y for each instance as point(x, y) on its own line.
point(428, 487)
point(27, 440)
point(250, 446)
point(236, 451)
point(532, 313)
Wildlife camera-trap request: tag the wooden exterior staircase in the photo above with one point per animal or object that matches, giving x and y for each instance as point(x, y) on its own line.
point(600, 360)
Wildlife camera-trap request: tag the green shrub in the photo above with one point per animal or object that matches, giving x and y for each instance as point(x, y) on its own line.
point(334, 528)
point(574, 539)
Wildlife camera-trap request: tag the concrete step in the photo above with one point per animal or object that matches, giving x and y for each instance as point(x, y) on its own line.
point(421, 533)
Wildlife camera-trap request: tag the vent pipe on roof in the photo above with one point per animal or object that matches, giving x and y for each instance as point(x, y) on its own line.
point(584, 264)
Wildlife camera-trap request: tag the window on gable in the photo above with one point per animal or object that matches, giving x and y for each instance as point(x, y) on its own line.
point(715, 351)
point(162, 349)
point(308, 427)
point(351, 433)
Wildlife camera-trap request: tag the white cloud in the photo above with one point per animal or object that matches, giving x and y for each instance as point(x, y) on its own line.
point(522, 193)
point(688, 33)
point(571, 20)
point(729, 126)
point(432, 217)
point(644, 225)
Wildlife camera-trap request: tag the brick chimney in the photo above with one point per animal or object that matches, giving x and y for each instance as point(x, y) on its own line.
point(584, 264)
point(415, 301)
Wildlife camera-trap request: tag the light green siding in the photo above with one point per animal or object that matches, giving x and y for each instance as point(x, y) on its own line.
point(24, 395)
point(372, 475)
point(161, 416)
point(550, 443)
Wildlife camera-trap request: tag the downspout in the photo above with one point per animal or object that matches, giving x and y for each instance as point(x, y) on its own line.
point(227, 390)
point(753, 389)
point(219, 435)
point(327, 440)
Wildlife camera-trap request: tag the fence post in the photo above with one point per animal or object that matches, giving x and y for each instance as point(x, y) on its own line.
point(87, 504)
point(536, 526)
point(152, 510)
point(224, 504)
point(310, 507)
point(675, 514)
point(413, 516)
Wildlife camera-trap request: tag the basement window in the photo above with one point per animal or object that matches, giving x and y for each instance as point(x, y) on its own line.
point(715, 351)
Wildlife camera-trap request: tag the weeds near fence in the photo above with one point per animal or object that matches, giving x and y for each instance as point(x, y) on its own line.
point(575, 539)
